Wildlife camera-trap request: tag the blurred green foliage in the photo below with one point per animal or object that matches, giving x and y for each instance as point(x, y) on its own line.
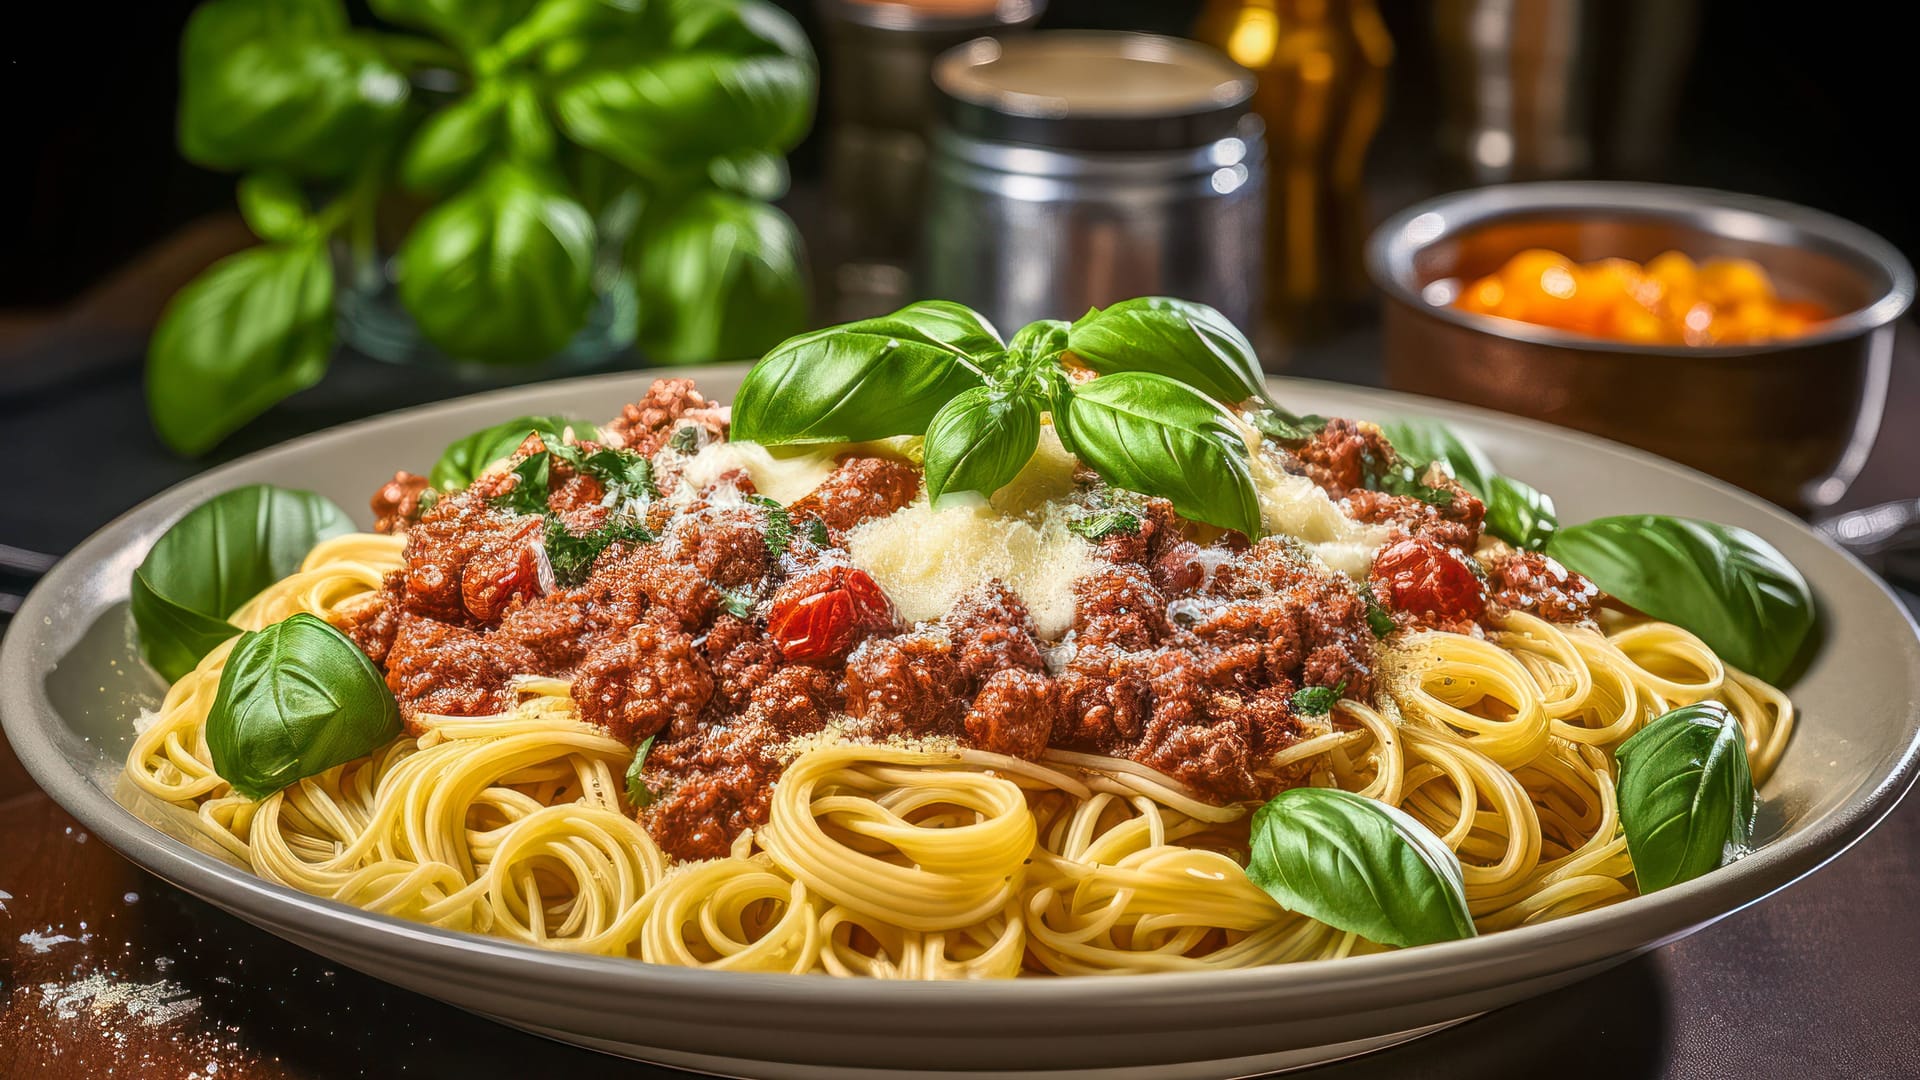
point(564, 148)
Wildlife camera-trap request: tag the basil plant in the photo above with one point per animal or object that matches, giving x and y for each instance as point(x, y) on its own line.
point(561, 149)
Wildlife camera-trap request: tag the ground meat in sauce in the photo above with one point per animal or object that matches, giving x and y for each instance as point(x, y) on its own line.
point(372, 621)
point(905, 685)
point(649, 424)
point(859, 489)
point(1538, 585)
point(1455, 525)
point(1337, 455)
point(447, 670)
point(641, 682)
point(1119, 607)
point(397, 502)
point(1181, 656)
point(992, 630)
point(1012, 713)
point(726, 545)
point(711, 786)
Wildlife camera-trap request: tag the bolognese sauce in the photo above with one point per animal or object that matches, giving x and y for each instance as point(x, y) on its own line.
point(723, 625)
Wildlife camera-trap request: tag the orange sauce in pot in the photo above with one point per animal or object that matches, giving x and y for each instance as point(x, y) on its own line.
point(1671, 300)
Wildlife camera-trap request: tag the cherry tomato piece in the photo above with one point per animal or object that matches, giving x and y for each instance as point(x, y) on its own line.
point(1421, 577)
point(818, 617)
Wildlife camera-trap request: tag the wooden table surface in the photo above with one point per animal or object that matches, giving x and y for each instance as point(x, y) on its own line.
point(106, 971)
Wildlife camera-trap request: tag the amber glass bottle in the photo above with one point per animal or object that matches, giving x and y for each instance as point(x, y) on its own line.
point(1322, 66)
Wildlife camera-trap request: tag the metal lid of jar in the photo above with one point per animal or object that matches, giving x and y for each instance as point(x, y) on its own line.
point(1092, 90)
point(933, 16)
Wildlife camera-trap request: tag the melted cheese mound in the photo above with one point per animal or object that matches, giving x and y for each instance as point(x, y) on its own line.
point(925, 559)
point(1294, 506)
point(786, 474)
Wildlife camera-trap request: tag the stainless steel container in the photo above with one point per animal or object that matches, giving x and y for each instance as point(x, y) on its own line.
point(1075, 169)
point(881, 109)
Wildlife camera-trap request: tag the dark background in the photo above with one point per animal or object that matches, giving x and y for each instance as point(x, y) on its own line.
point(1802, 102)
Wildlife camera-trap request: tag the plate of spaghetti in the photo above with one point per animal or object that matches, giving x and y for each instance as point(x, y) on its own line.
point(1121, 710)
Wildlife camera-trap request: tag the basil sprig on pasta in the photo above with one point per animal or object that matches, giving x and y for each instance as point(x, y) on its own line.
point(296, 698)
point(1686, 794)
point(216, 558)
point(1359, 865)
point(1156, 421)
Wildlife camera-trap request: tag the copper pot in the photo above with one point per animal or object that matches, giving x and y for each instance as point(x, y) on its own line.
point(1790, 420)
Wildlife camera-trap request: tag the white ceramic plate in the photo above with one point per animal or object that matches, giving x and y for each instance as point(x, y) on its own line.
point(70, 682)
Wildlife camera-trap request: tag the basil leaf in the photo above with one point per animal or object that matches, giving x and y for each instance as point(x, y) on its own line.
point(756, 174)
point(465, 24)
point(718, 277)
point(253, 329)
point(1686, 795)
point(738, 603)
point(462, 462)
point(729, 76)
point(530, 137)
point(1038, 343)
point(1360, 866)
point(1283, 426)
point(1743, 598)
point(1317, 700)
point(1151, 434)
point(295, 699)
point(215, 559)
point(980, 441)
point(1177, 338)
point(639, 796)
point(867, 379)
point(280, 84)
point(1520, 514)
point(273, 206)
point(503, 271)
point(453, 144)
point(1516, 512)
point(1424, 441)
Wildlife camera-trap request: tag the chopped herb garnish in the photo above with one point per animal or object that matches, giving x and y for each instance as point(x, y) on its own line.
point(528, 495)
point(1318, 700)
point(817, 532)
point(1377, 617)
point(425, 503)
point(1115, 512)
point(1400, 478)
point(1101, 524)
point(739, 603)
point(686, 439)
point(779, 525)
point(625, 473)
point(572, 556)
point(638, 794)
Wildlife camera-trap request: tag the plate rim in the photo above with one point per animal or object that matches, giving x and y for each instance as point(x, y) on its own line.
point(1509, 956)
